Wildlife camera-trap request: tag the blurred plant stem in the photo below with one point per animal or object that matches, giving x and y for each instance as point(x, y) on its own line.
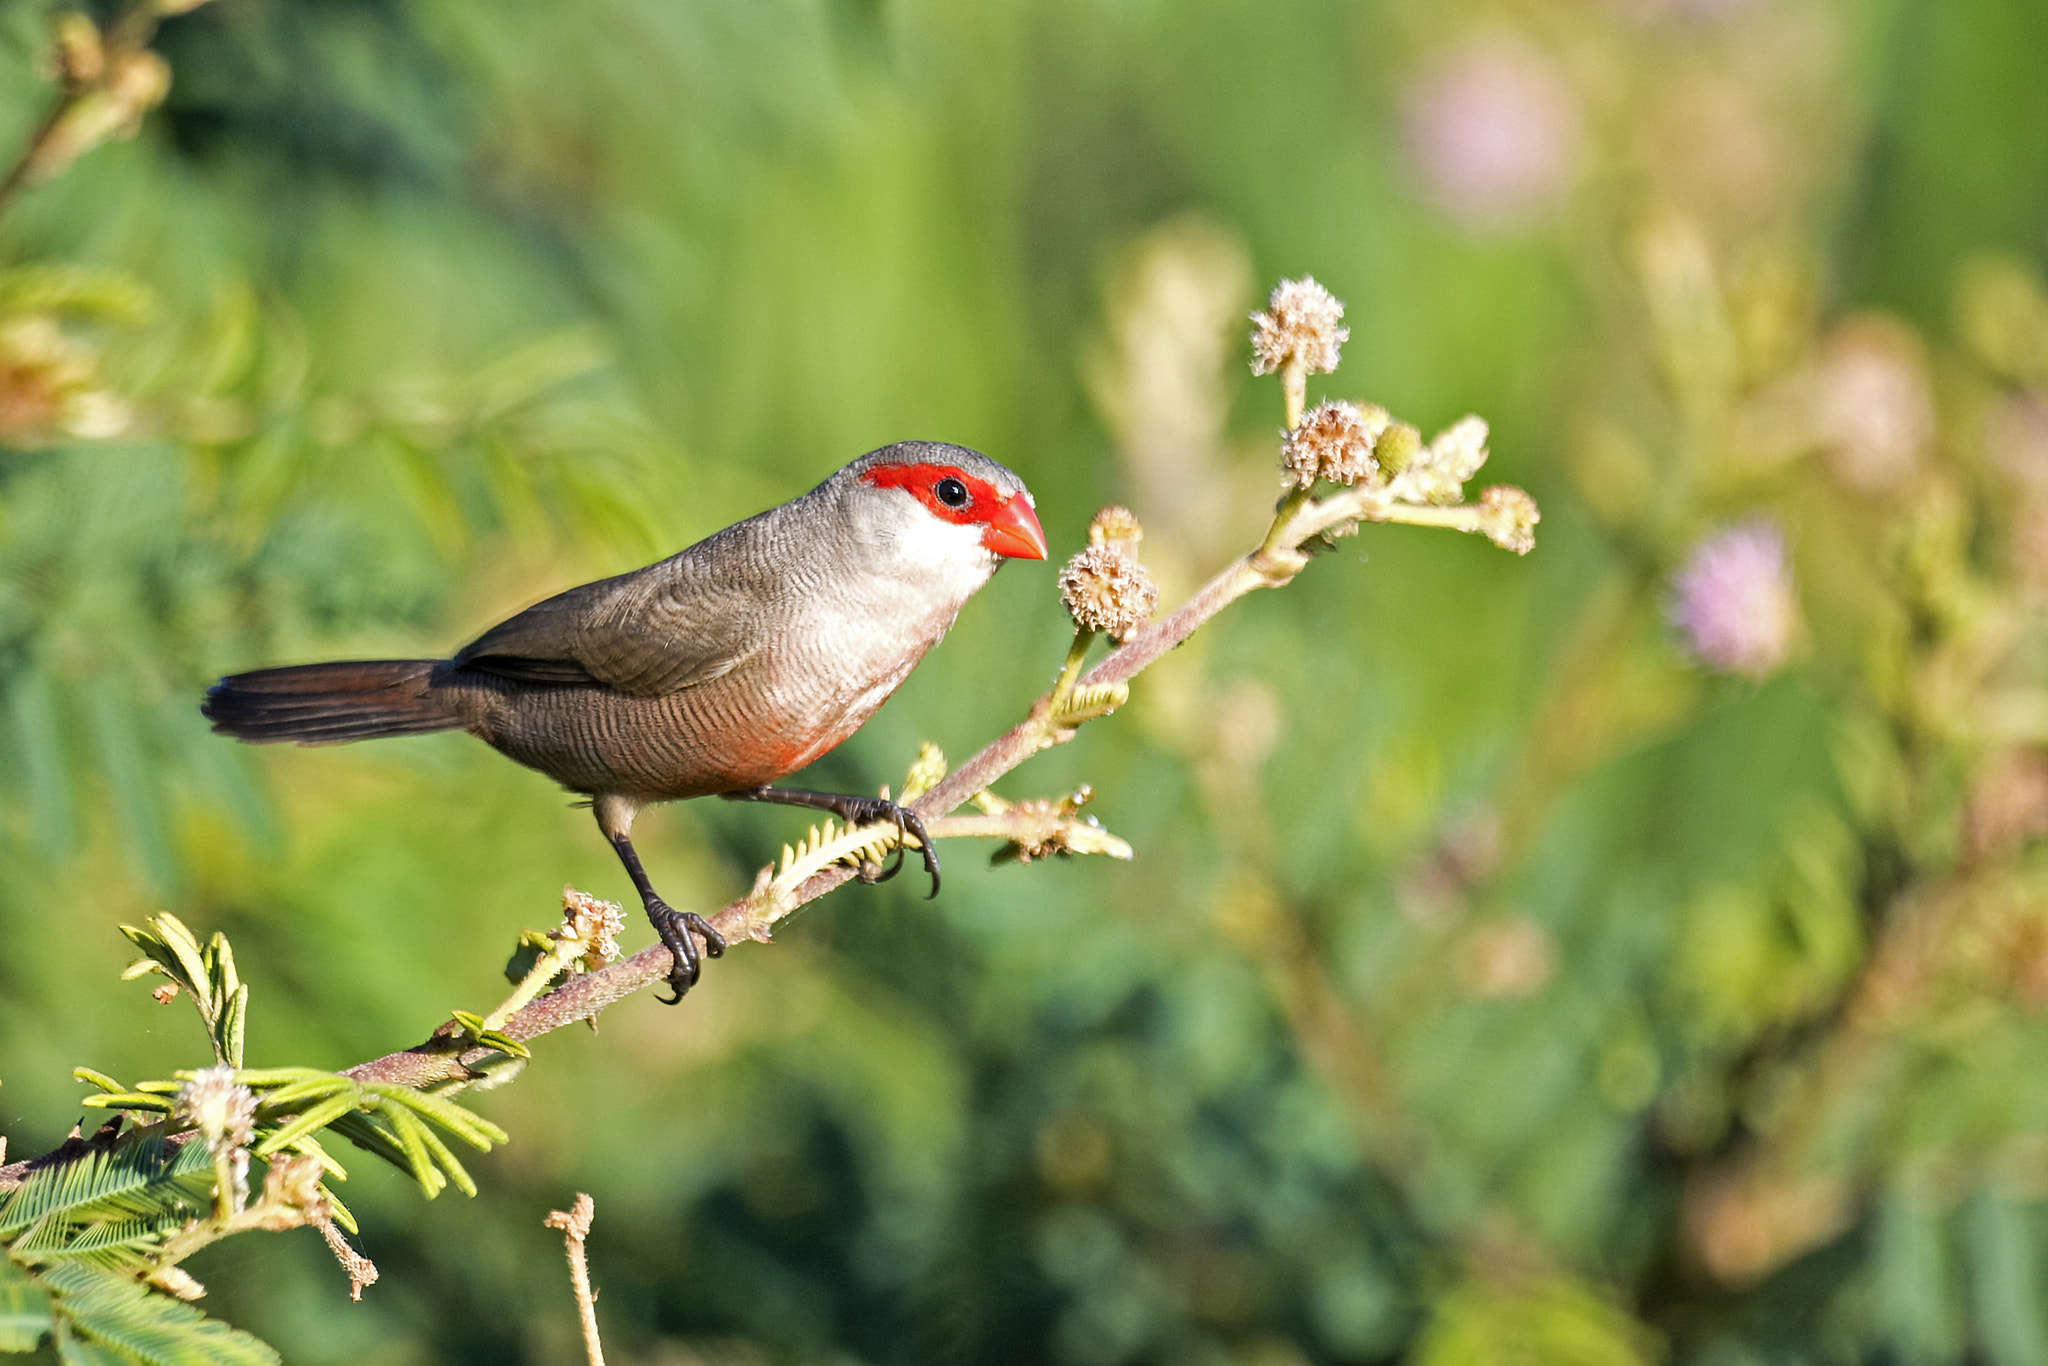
point(108, 79)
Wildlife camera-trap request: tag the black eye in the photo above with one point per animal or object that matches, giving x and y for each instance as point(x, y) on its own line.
point(951, 492)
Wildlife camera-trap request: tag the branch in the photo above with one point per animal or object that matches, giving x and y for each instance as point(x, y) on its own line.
point(1381, 472)
point(450, 1057)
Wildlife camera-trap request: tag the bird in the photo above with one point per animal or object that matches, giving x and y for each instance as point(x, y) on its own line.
point(716, 671)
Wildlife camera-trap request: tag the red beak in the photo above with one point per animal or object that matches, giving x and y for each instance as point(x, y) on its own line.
point(1014, 530)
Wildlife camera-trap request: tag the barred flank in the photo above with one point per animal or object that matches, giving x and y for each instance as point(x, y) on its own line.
point(327, 703)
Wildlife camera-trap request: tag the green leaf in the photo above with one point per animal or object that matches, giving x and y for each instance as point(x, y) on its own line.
point(472, 1026)
point(234, 1023)
point(446, 1159)
point(412, 1138)
point(311, 1120)
point(129, 1100)
point(467, 1125)
point(285, 1099)
point(165, 939)
point(145, 1326)
point(74, 1350)
point(24, 1309)
point(143, 1180)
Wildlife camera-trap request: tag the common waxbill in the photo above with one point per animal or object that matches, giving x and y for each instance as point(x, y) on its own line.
point(716, 671)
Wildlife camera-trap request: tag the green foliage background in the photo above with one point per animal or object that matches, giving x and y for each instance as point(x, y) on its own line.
point(1491, 986)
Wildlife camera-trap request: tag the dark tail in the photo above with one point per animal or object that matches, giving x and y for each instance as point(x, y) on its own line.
point(325, 703)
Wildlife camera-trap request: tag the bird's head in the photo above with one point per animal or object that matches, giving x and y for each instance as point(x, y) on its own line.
point(937, 503)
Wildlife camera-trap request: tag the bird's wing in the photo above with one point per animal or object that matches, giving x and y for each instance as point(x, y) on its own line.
point(647, 634)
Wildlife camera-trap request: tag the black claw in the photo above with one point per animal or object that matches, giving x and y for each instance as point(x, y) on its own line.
point(675, 929)
point(865, 810)
point(924, 842)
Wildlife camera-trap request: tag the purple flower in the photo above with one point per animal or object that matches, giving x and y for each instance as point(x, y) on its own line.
point(1733, 601)
point(1493, 128)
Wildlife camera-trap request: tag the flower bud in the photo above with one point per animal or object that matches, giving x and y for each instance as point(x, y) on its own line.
point(1396, 448)
point(1117, 526)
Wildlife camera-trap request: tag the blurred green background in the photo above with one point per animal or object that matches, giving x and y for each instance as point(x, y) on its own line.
point(1497, 982)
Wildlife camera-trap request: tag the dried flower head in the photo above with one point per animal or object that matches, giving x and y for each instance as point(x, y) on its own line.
point(591, 924)
point(221, 1109)
point(1733, 601)
point(1300, 328)
point(292, 1195)
point(1508, 517)
point(1334, 442)
point(1115, 525)
point(1106, 590)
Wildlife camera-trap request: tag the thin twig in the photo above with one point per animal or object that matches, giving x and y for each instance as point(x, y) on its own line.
point(575, 1226)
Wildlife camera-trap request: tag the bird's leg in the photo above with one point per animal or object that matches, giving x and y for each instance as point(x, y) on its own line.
point(615, 817)
point(854, 811)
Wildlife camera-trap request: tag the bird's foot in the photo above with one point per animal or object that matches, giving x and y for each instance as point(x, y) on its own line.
point(868, 810)
point(676, 930)
point(856, 811)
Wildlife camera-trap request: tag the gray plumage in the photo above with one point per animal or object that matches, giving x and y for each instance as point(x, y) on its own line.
point(725, 666)
point(718, 670)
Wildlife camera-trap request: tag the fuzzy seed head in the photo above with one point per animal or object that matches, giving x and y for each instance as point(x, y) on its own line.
point(1334, 442)
point(1117, 526)
point(1107, 590)
point(1508, 517)
point(593, 925)
point(223, 1111)
point(1733, 602)
point(1301, 328)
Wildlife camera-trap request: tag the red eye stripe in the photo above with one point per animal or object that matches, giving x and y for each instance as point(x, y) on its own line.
point(983, 498)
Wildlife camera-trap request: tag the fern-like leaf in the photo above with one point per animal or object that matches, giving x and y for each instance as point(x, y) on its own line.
point(147, 1327)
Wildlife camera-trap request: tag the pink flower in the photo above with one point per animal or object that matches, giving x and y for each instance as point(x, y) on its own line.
point(1733, 602)
point(1493, 128)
